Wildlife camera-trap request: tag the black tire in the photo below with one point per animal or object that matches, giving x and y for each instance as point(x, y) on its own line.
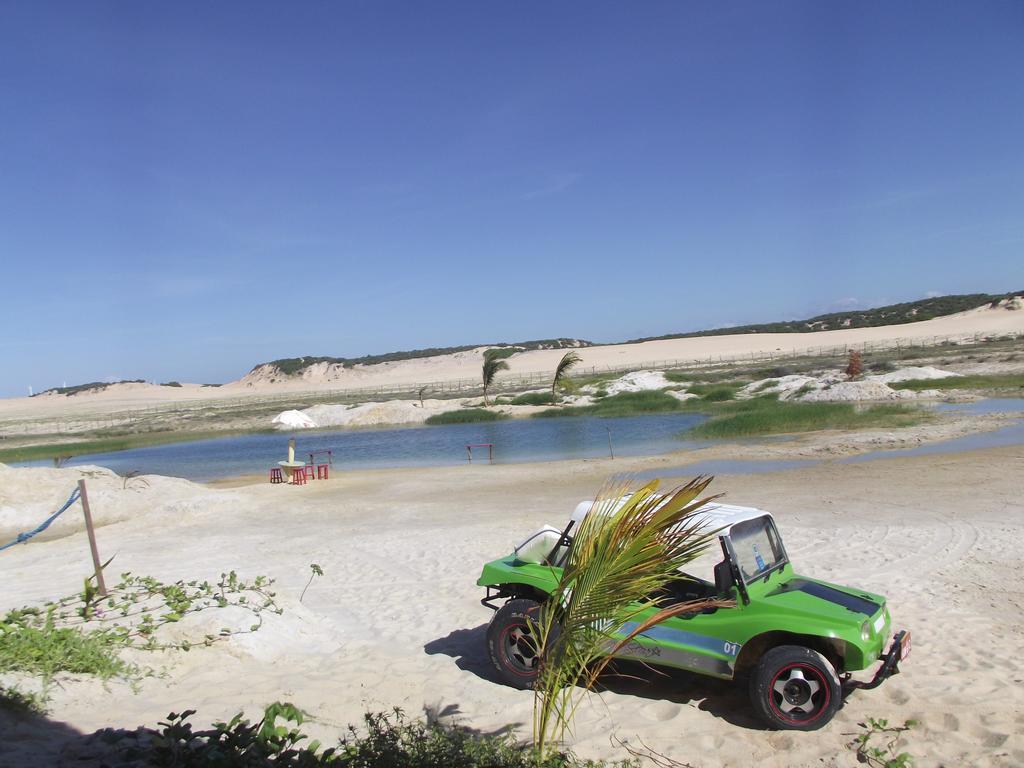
point(795, 688)
point(513, 642)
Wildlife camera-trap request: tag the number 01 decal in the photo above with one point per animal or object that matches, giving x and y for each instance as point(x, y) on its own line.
point(731, 648)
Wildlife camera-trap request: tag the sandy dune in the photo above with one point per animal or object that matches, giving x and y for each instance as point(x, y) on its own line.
point(465, 366)
point(395, 621)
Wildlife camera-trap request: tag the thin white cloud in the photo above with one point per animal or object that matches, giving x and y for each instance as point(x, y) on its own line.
point(183, 286)
point(558, 182)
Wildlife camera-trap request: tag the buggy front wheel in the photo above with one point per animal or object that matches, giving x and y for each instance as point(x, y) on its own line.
point(795, 688)
point(514, 642)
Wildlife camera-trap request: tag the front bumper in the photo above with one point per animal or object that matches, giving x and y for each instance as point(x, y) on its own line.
point(898, 651)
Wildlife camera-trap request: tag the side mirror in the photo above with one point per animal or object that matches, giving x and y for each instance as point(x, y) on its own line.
point(723, 577)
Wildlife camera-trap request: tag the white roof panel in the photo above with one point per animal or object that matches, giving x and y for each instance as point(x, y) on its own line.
point(713, 515)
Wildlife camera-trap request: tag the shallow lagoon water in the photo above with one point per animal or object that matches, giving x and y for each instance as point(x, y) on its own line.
point(1012, 434)
point(515, 441)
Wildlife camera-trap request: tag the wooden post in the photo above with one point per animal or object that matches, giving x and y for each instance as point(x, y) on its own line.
point(92, 539)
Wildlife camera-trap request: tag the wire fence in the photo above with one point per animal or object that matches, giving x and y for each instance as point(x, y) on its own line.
point(131, 420)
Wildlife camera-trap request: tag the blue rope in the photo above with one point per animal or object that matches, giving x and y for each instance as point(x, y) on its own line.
point(23, 537)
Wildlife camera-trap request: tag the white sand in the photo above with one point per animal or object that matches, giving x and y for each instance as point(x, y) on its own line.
point(395, 620)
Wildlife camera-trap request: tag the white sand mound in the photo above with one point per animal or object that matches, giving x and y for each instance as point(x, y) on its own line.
point(29, 495)
point(912, 372)
point(785, 386)
point(379, 414)
point(293, 420)
point(865, 390)
point(638, 381)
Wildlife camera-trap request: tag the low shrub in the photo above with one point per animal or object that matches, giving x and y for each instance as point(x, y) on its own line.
point(465, 416)
point(383, 741)
point(883, 366)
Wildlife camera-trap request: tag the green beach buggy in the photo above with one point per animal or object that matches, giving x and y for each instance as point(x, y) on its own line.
point(795, 639)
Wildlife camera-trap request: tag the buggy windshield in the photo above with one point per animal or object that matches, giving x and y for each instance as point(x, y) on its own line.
point(757, 548)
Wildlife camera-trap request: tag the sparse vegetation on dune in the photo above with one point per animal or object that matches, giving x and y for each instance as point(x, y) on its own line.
point(97, 386)
point(892, 314)
point(290, 366)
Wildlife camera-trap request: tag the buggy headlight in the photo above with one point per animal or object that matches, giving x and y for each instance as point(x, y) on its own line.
point(865, 631)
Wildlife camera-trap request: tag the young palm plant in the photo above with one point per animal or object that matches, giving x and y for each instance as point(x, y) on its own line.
point(628, 546)
point(569, 360)
point(491, 367)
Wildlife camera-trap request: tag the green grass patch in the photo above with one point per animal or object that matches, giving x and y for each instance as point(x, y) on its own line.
point(622, 404)
point(1008, 382)
point(680, 376)
point(44, 651)
point(717, 393)
point(109, 444)
point(465, 416)
point(768, 416)
point(532, 398)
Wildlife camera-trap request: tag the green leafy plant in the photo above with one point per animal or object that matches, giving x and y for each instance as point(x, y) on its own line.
point(569, 361)
point(316, 570)
point(629, 544)
point(877, 745)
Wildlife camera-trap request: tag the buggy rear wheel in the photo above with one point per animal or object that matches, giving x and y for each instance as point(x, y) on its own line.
point(795, 688)
point(514, 642)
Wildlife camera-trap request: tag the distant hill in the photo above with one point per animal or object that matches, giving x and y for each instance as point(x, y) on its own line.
point(290, 366)
point(92, 386)
point(893, 314)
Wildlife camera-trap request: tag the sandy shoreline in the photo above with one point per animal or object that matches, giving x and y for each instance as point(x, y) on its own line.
point(395, 621)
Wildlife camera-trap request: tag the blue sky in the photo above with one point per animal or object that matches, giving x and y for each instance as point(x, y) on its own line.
point(188, 189)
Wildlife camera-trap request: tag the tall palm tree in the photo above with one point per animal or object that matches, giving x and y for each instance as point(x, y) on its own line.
point(629, 544)
point(569, 360)
point(491, 367)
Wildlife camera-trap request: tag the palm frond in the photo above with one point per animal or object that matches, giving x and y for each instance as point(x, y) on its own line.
point(490, 369)
point(627, 547)
point(569, 360)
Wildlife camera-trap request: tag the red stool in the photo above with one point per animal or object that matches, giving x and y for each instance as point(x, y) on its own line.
point(276, 476)
point(321, 471)
point(310, 472)
point(299, 476)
